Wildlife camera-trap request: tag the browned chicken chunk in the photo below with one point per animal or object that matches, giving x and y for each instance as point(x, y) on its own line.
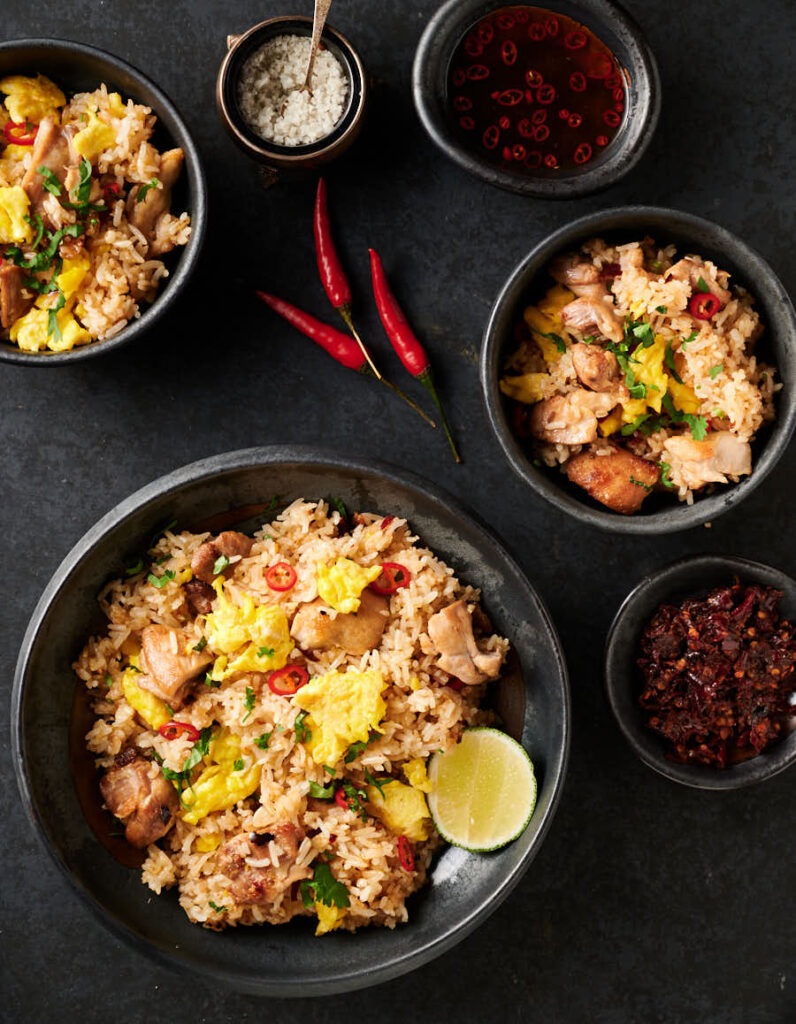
point(169, 663)
point(451, 632)
point(199, 596)
point(595, 367)
point(52, 149)
point(592, 314)
point(316, 627)
point(15, 299)
point(691, 270)
point(713, 460)
point(572, 418)
point(620, 480)
point(229, 544)
point(135, 791)
point(578, 274)
point(255, 876)
point(146, 214)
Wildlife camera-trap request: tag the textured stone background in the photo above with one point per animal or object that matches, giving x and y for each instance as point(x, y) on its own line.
point(648, 901)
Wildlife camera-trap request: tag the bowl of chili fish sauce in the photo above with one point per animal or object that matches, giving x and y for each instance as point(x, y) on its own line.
point(555, 101)
point(708, 710)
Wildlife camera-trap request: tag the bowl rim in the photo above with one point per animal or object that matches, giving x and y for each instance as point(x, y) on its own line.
point(296, 157)
point(761, 280)
point(267, 457)
point(189, 254)
point(435, 47)
point(654, 588)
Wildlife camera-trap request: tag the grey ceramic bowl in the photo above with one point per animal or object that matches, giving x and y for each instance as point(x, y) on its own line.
point(611, 24)
point(236, 489)
point(690, 577)
point(76, 67)
point(659, 513)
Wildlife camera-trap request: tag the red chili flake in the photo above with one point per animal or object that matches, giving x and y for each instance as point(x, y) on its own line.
point(533, 160)
point(609, 271)
point(491, 137)
point(541, 133)
point(717, 674)
point(551, 160)
point(552, 26)
point(504, 123)
point(508, 53)
point(563, 113)
point(529, 96)
point(538, 117)
point(467, 122)
point(505, 21)
point(533, 77)
point(477, 72)
point(518, 151)
point(455, 684)
point(546, 94)
point(612, 81)
point(537, 31)
point(575, 40)
point(583, 153)
point(619, 94)
point(472, 47)
point(602, 140)
point(506, 153)
point(386, 521)
point(574, 120)
point(511, 97)
point(600, 66)
point(462, 103)
point(577, 81)
point(485, 33)
point(525, 128)
point(611, 118)
point(458, 77)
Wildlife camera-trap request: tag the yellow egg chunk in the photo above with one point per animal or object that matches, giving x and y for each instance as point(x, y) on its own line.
point(204, 844)
point(329, 918)
point(340, 585)
point(343, 708)
point(14, 206)
point(525, 388)
point(647, 365)
point(31, 99)
point(73, 273)
point(683, 396)
point(116, 104)
point(416, 775)
point(264, 630)
point(611, 423)
point(96, 137)
point(31, 331)
point(218, 788)
point(224, 748)
point(151, 709)
point(402, 809)
point(554, 301)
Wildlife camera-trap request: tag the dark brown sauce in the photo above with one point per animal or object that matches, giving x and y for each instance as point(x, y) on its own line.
point(224, 520)
point(535, 92)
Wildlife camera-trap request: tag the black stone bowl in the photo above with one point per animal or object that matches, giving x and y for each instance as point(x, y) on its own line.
point(214, 494)
point(690, 577)
point(76, 67)
point(660, 513)
point(612, 25)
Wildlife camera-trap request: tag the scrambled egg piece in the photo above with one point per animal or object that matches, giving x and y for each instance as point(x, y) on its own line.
point(73, 273)
point(14, 205)
point(683, 396)
point(340, 585)
point(525, 388)
point(329, 918)
point(611, 423)
point(343, 708)
point(554, 301)
point(30, 332)
point(218, 788)
point(264, 630)
point(224, 748)
point(94, 138)
point(545, 318)
point(31, 99)
point(648, 368)
point(151, 709)
point(402, 809)
point(416, 775)
point(204, 844)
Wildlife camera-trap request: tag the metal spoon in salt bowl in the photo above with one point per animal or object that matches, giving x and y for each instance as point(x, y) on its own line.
point(318, 21)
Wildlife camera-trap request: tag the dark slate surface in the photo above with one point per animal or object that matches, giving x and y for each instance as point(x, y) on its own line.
point(648, 901)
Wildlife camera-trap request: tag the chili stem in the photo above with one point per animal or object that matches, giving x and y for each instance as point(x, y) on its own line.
point(427, 381)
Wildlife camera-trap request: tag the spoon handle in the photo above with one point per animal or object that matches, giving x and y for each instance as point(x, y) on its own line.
point(319, 20)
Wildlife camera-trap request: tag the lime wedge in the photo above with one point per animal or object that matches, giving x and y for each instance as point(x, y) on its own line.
point(484, 790)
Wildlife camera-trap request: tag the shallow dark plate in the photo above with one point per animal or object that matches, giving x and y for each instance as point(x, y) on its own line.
point(659, 513)
point(76, 67)
point(690, 577)
point(465, 888)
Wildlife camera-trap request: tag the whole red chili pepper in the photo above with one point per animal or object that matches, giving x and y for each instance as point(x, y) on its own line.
point(338, 345)
point(403, 339)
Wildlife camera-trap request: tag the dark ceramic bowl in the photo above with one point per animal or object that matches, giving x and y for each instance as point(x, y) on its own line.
point(612, 25)
point(215, 494)
point(290, 159)
point(691, 577)
point(79, 68)
point(659, 513)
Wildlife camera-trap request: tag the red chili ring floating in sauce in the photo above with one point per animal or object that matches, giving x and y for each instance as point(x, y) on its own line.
point(491, 136)
point(611, 118)
point(522, 17)
point(577, 81)
point(473, 48)
point(601, 66)
point(551, 160)
point(506, 154)
point(485, 33)
point(704, 305)
point(510, 97)
point(575, 40)
point(563, 113)
point(505, 21)
point(612, 81)
point(477, 72)
point(533, 160)
point(467, 123)
point(281, 577)
point(393, 577)
point(525, 128)
point(602, 140)
point(574, 120)
point(533, 77)
point(583, 153)
point(284, 682)
point(538, 117)
point(508, 53)
point(462, 104)
point(405, 855)
point(546, 94)
point(504, 123)
point(173, 730)
point(541, 133)
point(458, 77)
point(537, 32)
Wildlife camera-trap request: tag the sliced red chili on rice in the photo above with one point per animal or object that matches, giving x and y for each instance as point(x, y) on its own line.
point(173, 730)
point(405, 854)
point(284, 682)
point(393, 577)
point(281, 576)
point(704, 305)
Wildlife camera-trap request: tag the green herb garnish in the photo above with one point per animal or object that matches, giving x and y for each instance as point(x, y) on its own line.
point(643, 332)
point(714, 371)
point(265, 652)
point(263, 740)
point(49, 180)
point(631, 428)
point(218, 910)
point(321, 792)
point(220, 565)
point(638, 483)
point(213, 683)
point(558, 341)
point(108, 679)
point(201, 645)
point(249, 701)
point(303, 734)
point(324, 888)
point(661, 309)
point(689, 339)
point(378, 783)
point(237, 766)
point(666, 474)
point(143, 189)
point(668, 358)
point(354, 751)
point(702, 285)
point(161, 581)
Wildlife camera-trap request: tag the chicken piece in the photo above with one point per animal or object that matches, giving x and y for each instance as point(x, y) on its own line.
point(135, 791)
point(451, 632)
point(689, 269)
point(597, 368)
point(254, 875)
point(230, 544)
point(713, 460)
point(170, 663)
point(199, 596)
point(572, 418)
point(621, 480)
point(316, 627)
point(52, 149)
point(576, 273)
point(15, 299)
point(593, 314)
point(156, 202)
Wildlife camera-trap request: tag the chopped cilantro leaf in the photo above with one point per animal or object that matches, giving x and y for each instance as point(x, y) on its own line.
point(714, 371)
point(220, 565)
point(329, 770)
point(702, 285)
point(218, 910)
point(265, 652)
point(557, 340)
point(689, 339)
point(321, 792)
point(249, 701)
point(324, 888)
point(661, 309)
point(638, 483)
point(143, 189)
point(201, 645)
point(49, 180)
point(108, 679)
point(666, 474)
point(237, 766)
point(354, 751)
point(356, 799)
point(339, 504)
point(132, 570)
point(303, 734)
point(588, 341)
point(668, 358)
point(161, 581)
point(698, 425)
point(643, 332)
point(378, 783)
point(209, 681)
point(631, 428)
point(263, 740)
point(637, 390)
